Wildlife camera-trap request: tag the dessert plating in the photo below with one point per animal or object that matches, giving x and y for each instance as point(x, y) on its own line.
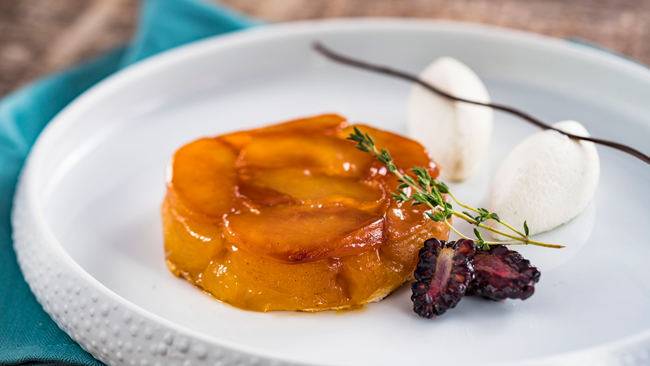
point(293, 217)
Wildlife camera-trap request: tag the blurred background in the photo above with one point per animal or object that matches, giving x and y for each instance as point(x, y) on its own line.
point(41, 36)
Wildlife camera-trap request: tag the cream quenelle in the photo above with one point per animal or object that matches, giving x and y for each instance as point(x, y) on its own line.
point(547, 180)
point(456, 133)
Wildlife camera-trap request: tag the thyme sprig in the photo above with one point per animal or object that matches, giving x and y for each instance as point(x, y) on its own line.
point(425, 190)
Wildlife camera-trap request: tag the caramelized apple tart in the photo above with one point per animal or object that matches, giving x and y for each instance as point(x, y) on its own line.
point(293, 217)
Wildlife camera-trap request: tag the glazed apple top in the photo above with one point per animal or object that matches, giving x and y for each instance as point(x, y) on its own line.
point(298, 191)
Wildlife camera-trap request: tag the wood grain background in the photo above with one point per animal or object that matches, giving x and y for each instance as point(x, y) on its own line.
point(41, 36)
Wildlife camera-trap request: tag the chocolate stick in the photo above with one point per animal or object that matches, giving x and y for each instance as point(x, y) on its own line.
point(319, 47)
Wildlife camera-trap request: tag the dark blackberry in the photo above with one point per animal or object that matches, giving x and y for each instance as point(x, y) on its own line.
point(442, 276)
point(502, 274)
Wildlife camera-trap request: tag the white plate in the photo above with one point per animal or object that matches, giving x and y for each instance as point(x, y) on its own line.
point(88, 234)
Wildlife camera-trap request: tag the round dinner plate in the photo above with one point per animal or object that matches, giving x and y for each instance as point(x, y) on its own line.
point(88, 233)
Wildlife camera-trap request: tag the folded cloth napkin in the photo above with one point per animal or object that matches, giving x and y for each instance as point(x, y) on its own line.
point(27, 334)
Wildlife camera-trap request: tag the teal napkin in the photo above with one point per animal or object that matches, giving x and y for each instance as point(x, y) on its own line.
point(27, 334)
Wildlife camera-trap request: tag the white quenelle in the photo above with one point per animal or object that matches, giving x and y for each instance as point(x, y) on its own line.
point(455, 133)
point(547, 180)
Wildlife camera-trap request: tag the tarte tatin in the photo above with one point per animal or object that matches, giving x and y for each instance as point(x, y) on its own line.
point(294, 217)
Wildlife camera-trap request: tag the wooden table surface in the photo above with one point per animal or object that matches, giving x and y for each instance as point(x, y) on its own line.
point(41, 36)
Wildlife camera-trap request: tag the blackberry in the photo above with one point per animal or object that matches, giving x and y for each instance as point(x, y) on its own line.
point(501, 273)
point(443, 274)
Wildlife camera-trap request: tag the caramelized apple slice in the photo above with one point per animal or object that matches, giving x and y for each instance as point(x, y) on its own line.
point(257, 283)
point(366, 277)
point(318, 153)
point(403, 249)
point(327, 124)
point(255, 195)
point(405, 152)
point(203, 178)
point(190, 245)
point(408, 227)
point(317, 188)
point(305, 233)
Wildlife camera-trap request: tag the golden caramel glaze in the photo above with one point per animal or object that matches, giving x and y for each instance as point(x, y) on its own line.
point(294, 217)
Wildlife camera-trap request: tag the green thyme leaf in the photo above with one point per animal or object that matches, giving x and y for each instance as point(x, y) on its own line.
point(432, 217)
point(442, 187)
point(372, 142)
point(481, 242)
point(526, 228)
